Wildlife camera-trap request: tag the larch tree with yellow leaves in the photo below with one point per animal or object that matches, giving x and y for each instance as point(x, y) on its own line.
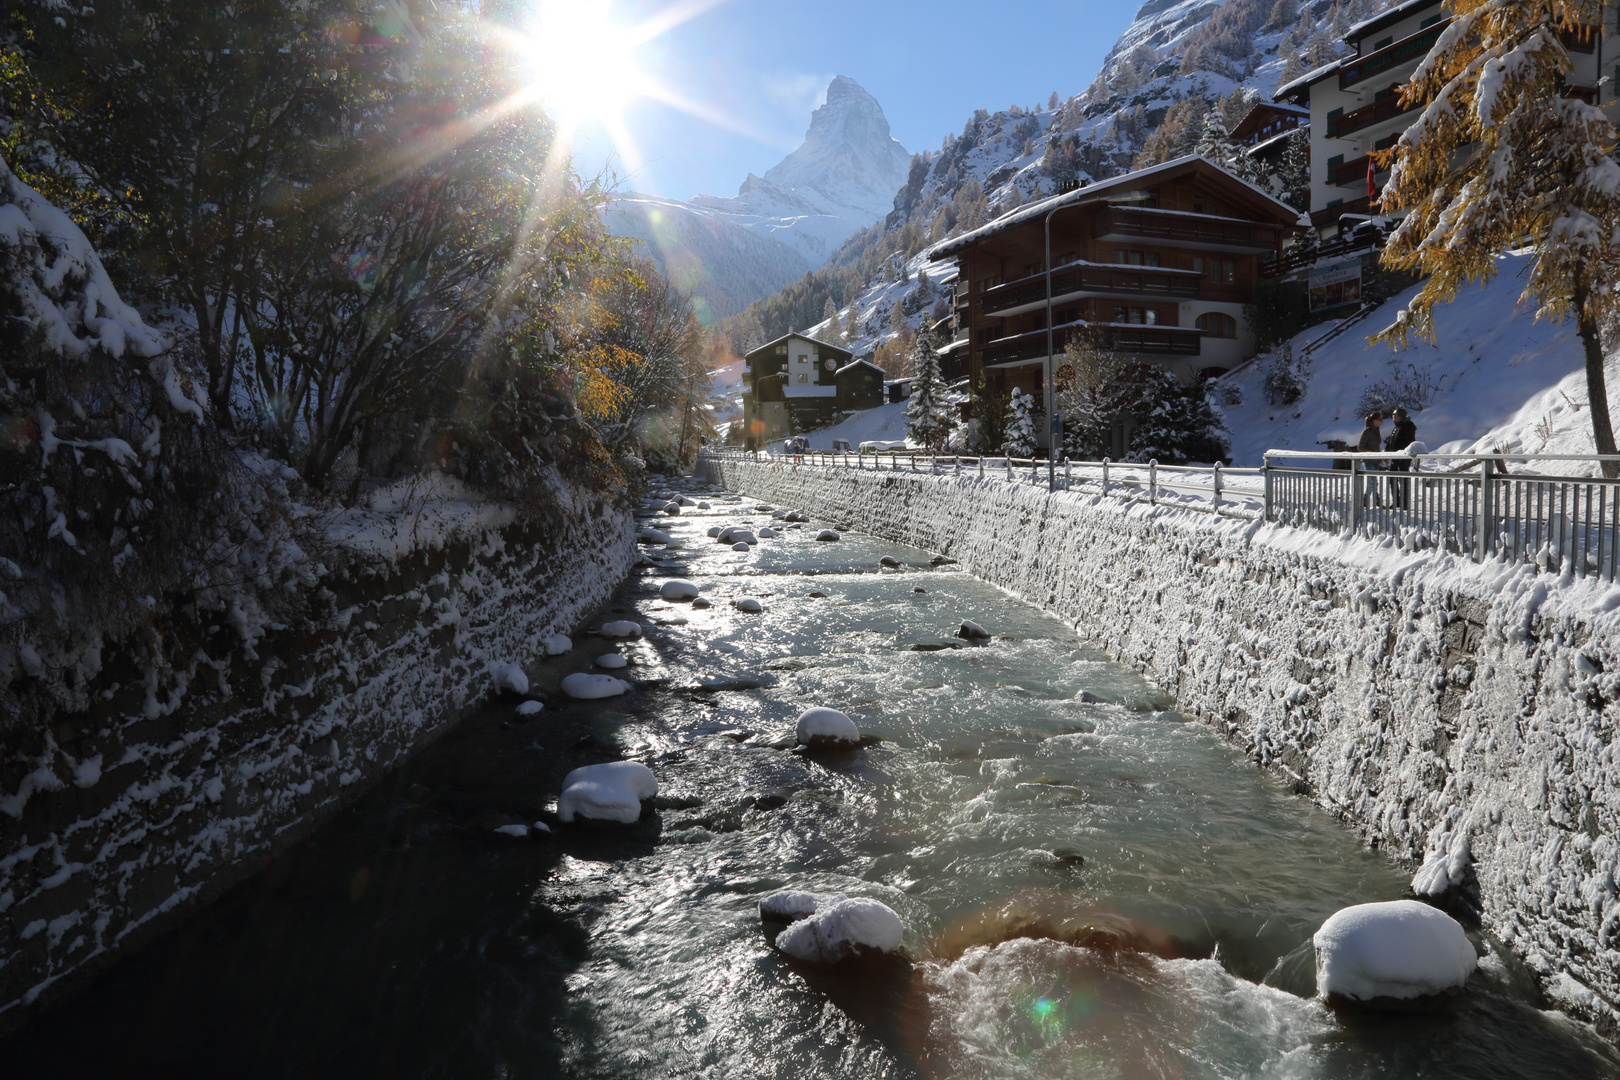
point(1500, 159)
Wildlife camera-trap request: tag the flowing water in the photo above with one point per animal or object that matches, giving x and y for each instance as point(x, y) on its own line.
point(1092, 886)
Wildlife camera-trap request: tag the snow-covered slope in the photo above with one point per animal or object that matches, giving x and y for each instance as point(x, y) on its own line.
point(722, 263)
point(1500, 381)
point(841, 178)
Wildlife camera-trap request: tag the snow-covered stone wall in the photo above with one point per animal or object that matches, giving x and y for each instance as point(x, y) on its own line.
point(116, 822)
point(1461, 717)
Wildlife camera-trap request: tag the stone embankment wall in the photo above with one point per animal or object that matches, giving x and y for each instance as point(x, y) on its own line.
point(1462, 718)
point(117, 822)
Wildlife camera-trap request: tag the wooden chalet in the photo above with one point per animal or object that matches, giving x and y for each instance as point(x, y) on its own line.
point(791, 384)
point(1157, 263)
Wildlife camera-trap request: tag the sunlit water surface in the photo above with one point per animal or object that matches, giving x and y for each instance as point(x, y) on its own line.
point(1091, 888)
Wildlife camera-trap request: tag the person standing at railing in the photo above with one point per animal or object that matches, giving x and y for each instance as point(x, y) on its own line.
point(1404, 435)
point(1370, 443)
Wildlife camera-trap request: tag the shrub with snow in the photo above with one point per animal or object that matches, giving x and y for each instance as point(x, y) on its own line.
point(613, 791)
point(1400, 949)
point(509, 677)
point(678, 589)
point(557, 644)
point(621, 628)
point(844, 930)
point(585, 686)
point(827, 727)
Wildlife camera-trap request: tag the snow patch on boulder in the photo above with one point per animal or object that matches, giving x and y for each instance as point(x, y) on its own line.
point(748, 604)
point(612, 661)
point(609, 792)
point(1400, 949)
point(791, 906)
point(530, 708)
point(678, 589)
point(621, 628)
point(557, 644)
point(843, 931)
point(827, 727)
point(585, 686)
point(509, 677)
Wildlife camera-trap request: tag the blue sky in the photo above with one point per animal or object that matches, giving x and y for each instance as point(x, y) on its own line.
point(760, 66)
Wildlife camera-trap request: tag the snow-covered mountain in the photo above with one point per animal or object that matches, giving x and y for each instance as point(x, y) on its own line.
point(731, 251)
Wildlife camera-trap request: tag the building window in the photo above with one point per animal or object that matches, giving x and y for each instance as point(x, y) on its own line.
point(1228, 271)
point(1137, 316)
point(1215, 324)
point(1334, 114)
point(803, 377)
point(1383, 44)
point(1137, 258)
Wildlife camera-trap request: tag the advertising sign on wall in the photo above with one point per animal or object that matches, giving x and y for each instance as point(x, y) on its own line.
point(1335, 285)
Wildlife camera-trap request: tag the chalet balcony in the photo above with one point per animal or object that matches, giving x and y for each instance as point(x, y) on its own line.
point(1177, 228)
point(1076, 280)
point(1378, 113)
point(1119, 337)
point(1329, 214)
point(1408, 50)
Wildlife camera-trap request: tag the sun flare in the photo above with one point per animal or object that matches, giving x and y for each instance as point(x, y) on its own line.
point(581, 62)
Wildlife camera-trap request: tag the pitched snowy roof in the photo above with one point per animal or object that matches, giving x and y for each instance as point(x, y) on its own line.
point(1386, 18)
point(1305, 81)
point(801, 337)
point(860, 363)
point(1097, 192)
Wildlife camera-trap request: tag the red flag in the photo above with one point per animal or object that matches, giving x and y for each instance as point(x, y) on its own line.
point(1372, 189)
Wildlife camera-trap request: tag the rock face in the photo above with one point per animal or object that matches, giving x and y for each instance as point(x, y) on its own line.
point(731, 251)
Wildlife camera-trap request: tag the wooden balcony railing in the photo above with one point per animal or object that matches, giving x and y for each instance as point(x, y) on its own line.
point(1409, 48)
point(1146, 224)
point(1090, 277)
point(1167, 340)
point(1365, 117)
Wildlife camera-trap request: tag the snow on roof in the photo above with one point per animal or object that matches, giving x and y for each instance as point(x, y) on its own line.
point(1093, 193)
point(1267, 143)
point(801, 337)
point(1305, 81)
point(859, 363)
point(1387, 18)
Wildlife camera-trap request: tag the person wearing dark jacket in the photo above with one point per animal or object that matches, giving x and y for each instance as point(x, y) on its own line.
point(1404, 435)
point(1370, 443)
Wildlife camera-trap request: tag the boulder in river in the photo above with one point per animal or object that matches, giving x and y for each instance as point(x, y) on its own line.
point(1400, 949)
point(844, 930)
point(827, 534)
point(702, 602)
point(819, 728)
point(714, 531)
point(611, 661)
point(557, 644)
point(678, 589)
point(509, 678)
point(972, 631)
point(790, 905)
point(621, 628)
point(890, 562)
point(586, 686)
point(612, 791)
point(739, 546)
point(672, 509)
point(748, 604)
point(768, 534)
point(652, 536)
point(530, 708)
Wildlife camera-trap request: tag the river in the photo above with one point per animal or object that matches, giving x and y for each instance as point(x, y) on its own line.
point(1093, 885)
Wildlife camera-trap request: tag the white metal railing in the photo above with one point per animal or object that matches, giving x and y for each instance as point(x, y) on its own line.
point(1480, 506)
point(1486, 507)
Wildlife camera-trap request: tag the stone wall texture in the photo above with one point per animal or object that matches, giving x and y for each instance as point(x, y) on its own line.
point(115, 823)
point(1461, 718)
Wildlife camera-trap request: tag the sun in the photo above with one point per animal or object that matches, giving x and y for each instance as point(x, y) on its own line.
point(581, 62)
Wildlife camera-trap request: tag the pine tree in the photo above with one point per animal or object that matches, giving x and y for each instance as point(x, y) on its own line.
point(928, 418)
point(1499, 159)
point(1174, 421)
point(1293, 180)
point(833, 333)
point(1019, 441)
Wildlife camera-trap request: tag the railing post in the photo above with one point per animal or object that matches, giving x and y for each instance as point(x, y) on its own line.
point(1356, 481)
point(1217, 471)
point(1153, 481)
point(1105, 474)
point(1068, 474)
point(1265, 486)
point(1009, 468)
point(981, 465)
point(1482, 525)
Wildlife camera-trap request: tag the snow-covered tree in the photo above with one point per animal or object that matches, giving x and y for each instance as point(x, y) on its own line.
point(1092, 392)
point(1500, 158)
point(1019, 441)
point(1292, 181)
point(1174, 421)
point(928, 416)
point(834, 333)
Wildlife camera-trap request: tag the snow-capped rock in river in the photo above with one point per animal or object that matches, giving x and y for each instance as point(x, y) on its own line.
point(827, 727)
point(609, 792)
point(509, 677)
point(791, 906)
point(585, 686)
point(843, 931)
point(1400, 949)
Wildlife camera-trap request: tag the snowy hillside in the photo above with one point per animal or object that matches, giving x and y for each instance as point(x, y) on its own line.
point(1496, 380)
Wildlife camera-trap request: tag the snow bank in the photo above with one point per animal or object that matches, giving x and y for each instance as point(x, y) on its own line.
point(822, 727)
point(509, 677)
point(585, 686)
point(621, 628)
point(557, 644)
point(610, 792)
point(842, 931)
point(678, 589)
point(791, 906)
point(1400, 949)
